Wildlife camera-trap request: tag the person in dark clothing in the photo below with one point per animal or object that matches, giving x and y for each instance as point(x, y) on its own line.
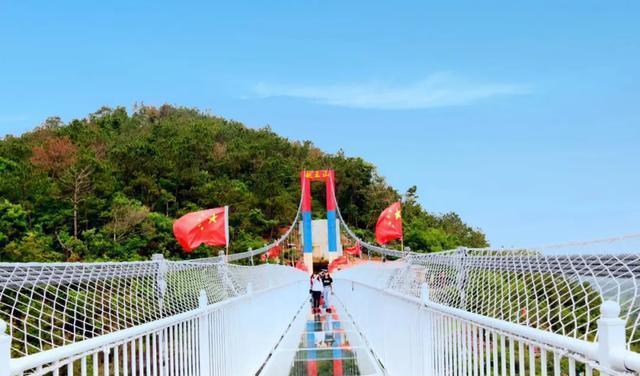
point(327, 288)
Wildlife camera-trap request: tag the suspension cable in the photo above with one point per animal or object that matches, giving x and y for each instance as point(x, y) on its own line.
point(368, 246)
point(255, 252)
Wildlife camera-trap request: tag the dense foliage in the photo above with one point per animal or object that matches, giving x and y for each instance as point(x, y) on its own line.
point(109, 186)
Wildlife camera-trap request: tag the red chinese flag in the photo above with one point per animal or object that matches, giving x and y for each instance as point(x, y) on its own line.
point(300, 264)
point(342, 260)
point(210, 227)
point(274, 251)
point(389, 225)
point(354, 251)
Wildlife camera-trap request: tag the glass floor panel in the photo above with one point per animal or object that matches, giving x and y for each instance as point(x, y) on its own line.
point(328, 367)
point(322, 344)
point(322, 339)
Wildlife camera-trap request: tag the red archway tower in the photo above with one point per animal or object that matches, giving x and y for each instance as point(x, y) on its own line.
point(306, 177)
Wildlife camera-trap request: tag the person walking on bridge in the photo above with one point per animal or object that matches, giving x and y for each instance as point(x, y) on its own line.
point(316, 291)
point(327, 289)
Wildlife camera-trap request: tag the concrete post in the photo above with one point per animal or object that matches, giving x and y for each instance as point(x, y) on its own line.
point(611, 337)
point(5, 349)
point(203, 336)
point(161, 282)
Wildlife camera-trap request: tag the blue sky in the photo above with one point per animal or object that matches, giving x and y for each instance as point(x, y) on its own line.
point(523, 118)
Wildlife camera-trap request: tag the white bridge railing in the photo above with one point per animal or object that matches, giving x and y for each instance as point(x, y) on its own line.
point(414, 335)
point(232, 336)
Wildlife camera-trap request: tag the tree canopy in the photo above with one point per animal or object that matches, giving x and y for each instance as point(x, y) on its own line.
point(109, 186)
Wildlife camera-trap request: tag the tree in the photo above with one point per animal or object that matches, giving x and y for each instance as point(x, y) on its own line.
point(426, 232)
point(107, 187)
point(34, 246)
point(13, 222)
point(77, 183)
point(52, 122)
point(54, 156)
point(58, 157)
point(126, 215)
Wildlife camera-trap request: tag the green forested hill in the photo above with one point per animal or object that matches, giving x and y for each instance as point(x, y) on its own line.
point(109, 186)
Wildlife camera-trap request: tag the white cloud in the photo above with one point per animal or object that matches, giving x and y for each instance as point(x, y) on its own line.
point(438, 90)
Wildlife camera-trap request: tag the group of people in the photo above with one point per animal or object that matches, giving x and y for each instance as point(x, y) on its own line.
point(321, 289)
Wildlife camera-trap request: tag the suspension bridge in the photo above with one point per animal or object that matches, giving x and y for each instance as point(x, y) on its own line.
point(477, 312)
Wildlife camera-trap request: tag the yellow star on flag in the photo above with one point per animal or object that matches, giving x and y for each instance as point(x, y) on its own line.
point(213, 218)
point(398, 216)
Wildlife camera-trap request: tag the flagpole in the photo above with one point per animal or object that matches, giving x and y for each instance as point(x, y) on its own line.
point(402, 233)
point(226, 230)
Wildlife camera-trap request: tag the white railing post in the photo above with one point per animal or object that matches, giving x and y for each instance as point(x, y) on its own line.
point(424, 293)
point(611, 337)
point(461, 276)
point(5, 349)
point(226, 280)
point(203, 336)
point(426, 334)
point(160, 278)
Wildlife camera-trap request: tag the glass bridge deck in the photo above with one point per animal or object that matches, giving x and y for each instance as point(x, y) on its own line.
point(322, 344)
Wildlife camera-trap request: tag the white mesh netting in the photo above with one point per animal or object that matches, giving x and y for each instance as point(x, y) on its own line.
point(49, 305)
point(557, 293)
point(560, 293)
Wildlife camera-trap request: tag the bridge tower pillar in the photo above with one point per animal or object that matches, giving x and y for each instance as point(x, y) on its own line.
point(306, 177)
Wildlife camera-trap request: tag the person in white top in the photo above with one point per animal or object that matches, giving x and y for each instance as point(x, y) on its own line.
point(316, 291)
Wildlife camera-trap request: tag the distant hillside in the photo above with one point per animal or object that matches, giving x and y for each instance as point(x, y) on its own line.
point(109, 186)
